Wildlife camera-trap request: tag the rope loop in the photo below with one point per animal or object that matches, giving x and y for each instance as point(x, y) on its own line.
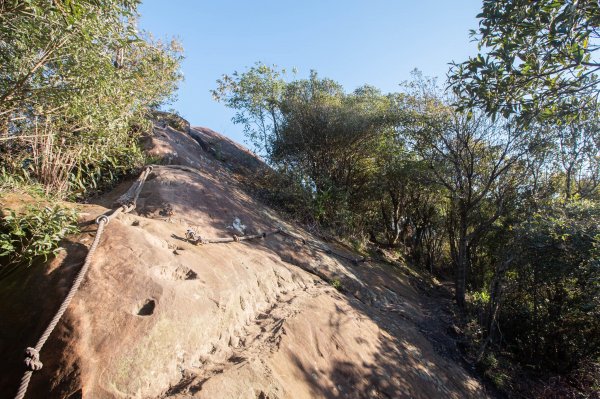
point(101, 218)
point(32, 359)
point(236, 238)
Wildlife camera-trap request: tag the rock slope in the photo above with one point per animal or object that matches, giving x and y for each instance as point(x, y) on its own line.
point(158, 317)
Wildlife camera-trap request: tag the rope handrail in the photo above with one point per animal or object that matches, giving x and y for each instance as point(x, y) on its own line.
point(32, 359)
point(324, 249)
point(193, 238)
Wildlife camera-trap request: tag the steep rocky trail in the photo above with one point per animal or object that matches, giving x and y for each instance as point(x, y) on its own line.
point(159, 317)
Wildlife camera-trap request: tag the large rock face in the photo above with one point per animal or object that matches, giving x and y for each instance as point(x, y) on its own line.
point(160, 317)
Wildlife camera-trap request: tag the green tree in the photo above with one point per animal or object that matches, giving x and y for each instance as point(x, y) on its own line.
point(311, 126)
point(256, 96)
point(577, 156)
point(538, 59)
point(474, 159)
point(410, 206)
point(551, 303)
point(76, 82)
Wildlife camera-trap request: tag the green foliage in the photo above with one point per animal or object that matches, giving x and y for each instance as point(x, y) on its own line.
point(495, 371)
point(442, 186)
point(573, 156)
point(480, 298)
point(98, 169)
point(321, 137)
point(76, 82)
point(551, 313)
point(337, 284)
point(33, 234)
point(331, 137)
point(17, 183)
point(171, 119)
point(283, 189)
point(474, 160)
point(255, 95)
point(538, 59)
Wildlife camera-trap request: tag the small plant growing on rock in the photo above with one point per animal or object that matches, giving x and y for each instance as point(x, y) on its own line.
point(33, 234)
point(337, 284)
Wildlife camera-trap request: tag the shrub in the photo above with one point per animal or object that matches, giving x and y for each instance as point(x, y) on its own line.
point(171, 119)
point(101, 169)
point(33, 234)
point(551, 311)
point(337, 284)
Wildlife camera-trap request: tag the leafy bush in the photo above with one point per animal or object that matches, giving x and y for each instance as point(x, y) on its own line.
point(101, 169)
point(283, 189)
point(337, 284)
point(551, 311)
point(480, 298)
point(33, 234)
point(77, 82)
point(10, 182)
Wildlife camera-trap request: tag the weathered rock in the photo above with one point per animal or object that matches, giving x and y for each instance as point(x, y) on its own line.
point(159, 317)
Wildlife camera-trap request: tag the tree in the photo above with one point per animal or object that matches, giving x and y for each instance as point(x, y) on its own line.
point(409, 205)
point(563, 158)
point(577, 157)
point(539, 59)
point(78, 79)
point(474, 159)
point(313, 127)
point(551, 305)
point(256, 96)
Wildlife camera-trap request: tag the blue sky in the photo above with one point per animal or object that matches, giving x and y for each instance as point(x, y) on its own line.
point(354, 42)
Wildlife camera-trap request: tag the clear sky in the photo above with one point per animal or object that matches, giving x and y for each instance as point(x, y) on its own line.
point(378, 42)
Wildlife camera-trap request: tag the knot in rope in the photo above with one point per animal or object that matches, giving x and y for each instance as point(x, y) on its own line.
point(191, 235)
point(32, 359)
point(194, 238)
point(101, 218)
point(236, 238)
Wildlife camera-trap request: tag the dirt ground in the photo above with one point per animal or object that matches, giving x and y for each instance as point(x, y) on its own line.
point(158, 317)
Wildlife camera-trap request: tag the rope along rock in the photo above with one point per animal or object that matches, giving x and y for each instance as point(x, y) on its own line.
point(192, 237)
point(127, 204)
point(195, 239)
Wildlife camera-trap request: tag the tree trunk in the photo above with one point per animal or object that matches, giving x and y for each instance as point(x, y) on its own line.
point(462, 261)
point(568, 182)
point(491, 322)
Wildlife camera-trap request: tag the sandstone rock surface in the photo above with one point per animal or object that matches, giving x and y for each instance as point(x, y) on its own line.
point(158, 317)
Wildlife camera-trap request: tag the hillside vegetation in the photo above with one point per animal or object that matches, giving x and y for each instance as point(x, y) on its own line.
point(77, 80)
point(510, 209)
